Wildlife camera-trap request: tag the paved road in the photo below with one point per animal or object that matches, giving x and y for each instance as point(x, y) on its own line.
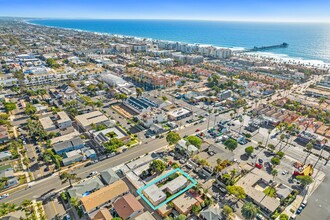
point(54, 183)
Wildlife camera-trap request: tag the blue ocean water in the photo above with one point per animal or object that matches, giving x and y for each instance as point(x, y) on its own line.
point(309, 42)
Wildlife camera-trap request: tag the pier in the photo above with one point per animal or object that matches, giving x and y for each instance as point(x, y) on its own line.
point(262, 48)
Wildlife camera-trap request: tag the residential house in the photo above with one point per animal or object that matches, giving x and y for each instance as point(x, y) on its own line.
point(104, 196)
point(145, 216)
point(5, 155)
point(184, 203)
point(4, 136)
point(103, 214)
point(63, 120)
point(109, 176)
point(47, 124)
point(85, 188)
point(105, 135)
point(6, 171)
point(189, 150)
point(211, 213)
point(128, 206)
point(72, 157)
point(67, 146)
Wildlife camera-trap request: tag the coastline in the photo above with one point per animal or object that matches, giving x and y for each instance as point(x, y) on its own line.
point(273, 57)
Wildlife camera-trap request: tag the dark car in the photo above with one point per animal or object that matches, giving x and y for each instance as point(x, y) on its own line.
point(260, 160)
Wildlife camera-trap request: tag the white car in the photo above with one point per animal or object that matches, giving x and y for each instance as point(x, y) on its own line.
point(4, 196)
point(94, 173)
point(285, 172)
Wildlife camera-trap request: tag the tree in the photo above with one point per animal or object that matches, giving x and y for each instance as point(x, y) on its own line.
point(196, 209)
point(74, 201)
point(180, 217)
point(65, 176)
point(275, 161)
point(237, 191)
point(284, 217)
point(26, 203)
point(280, 154)
point(164, 98)
point(9, 106)
point(227, 210)
point(157, 166)
point(139, 91)
point(271, 147)
point(116, 218)
point(249, 150)
point(249, 210)
point(30, 109)
point(172, 138)
point(112, 145)
point(305, 180)
point(274, 173)
point(309, 147)
point(231, 144)
point(52, 63)
point(120, 96)
point(194, 140)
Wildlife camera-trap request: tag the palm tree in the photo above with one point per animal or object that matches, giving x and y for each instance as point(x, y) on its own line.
point(269, 132)
point(241, 124)
point(274, 173)
point(249, 210)
point(309, 147)
point(74, 201)
point(320, 155)
point(65, 176)
point(26, 204)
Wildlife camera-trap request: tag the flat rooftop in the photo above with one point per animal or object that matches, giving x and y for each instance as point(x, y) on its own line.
point(47, 123)
point(63, 117)
point(250, 184)
point(178, 112)
point(94, 117)
point(155, 194)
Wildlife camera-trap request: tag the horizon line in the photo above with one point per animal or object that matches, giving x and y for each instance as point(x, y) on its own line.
point(168, 19)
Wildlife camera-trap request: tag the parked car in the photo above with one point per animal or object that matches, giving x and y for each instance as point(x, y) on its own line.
point(94, 173)
point(4, 196)
point(258, 165)
point(260, 160)
point(197, 130)
point(189, 166)
point(182, 161)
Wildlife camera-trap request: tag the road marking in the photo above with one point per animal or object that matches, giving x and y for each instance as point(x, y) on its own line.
point(54, 207)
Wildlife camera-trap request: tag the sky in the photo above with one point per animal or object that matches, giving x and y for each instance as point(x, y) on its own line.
point(232, 10)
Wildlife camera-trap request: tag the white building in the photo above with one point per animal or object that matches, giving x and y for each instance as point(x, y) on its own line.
point(151, 117)
point(63, 121)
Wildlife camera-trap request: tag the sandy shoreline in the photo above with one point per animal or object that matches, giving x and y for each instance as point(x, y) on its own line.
point(257, 56)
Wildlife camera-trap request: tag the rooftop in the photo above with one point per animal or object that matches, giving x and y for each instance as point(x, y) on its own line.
point(47, 123)
point(63, 117)
point(94, 117)
point(127, 205)
point(154, 193)
point(105, 194)
point(178, 112)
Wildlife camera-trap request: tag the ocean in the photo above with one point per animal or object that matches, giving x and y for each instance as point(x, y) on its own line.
point(308, 42)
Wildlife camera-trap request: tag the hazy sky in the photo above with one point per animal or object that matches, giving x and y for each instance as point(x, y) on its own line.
point(256, 10)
